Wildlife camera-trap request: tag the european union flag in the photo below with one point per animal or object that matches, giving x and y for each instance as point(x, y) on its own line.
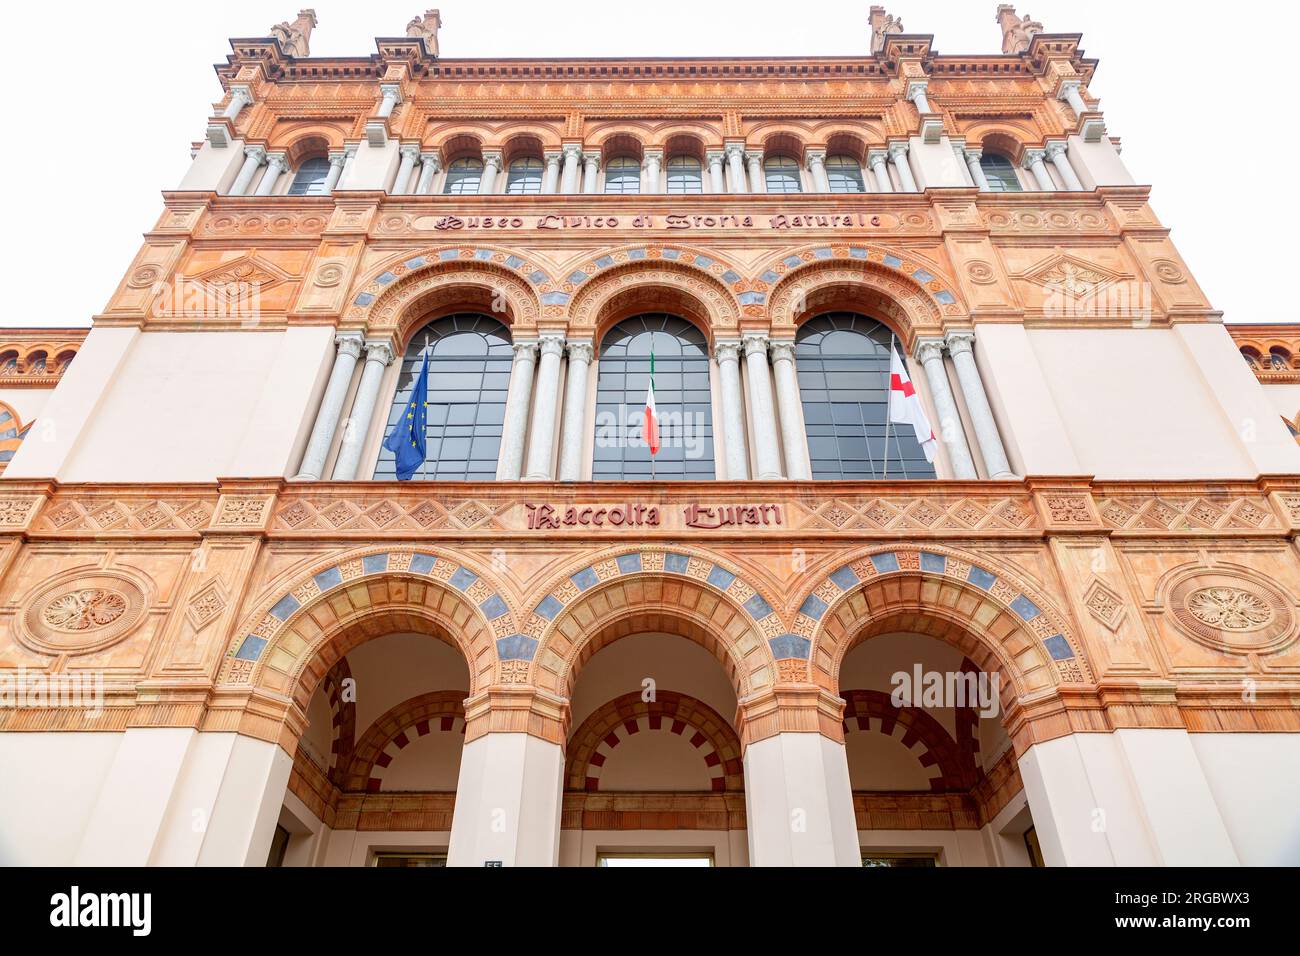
point(407, 439)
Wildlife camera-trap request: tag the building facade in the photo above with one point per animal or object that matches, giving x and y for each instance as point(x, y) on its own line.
point(229, 635)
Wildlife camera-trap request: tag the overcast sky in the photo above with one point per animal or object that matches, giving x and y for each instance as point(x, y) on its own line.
point(103, 100)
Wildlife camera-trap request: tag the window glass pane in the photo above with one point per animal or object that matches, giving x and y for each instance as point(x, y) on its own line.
point(463, 177)
point(524, 178)
point(843, 370)
point(845, 174)
point(682, 400)
point(310, 178)
point(685, 175)
point(1000, 173)
point(782, 174)
point(623, 175)
point(469, 371)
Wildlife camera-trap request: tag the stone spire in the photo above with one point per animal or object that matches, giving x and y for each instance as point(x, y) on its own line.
point(426, 28)
point(295, 38)
point(1016, 31)
point(882, 24)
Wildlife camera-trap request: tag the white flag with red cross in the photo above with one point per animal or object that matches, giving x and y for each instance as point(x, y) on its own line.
point(905, 405)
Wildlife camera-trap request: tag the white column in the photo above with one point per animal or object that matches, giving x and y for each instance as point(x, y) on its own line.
point(551, 180)
point(240, 96)
point(520, 399)
point(331, 405)
point(392, 95)
point(799, 803)
point(1034, 163)
point(898, 153)
point(878, 160)
point(336, 170)
point(717, 183)
point(378, 356)
point(653, 161)
point(757, 180)
point(733, 405)
point(916, 93)
point(590, 171)
point(1070, 93)
point(572, 162)
point(275, 165)
point(410, 152)
point(573, 438)
point(959, 150)
point(816, 160)
point(254, 157)
point(736, 166)
point(930, 354)
point(429, 166)
point(542, 439)
point(1058, 156)
point(961, 345)
point(492, 163)
point(973, 157)
point(766, 453)
point(789, 407)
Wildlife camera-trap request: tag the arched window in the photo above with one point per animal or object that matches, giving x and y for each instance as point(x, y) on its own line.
point(1277, 358)
point(782, 175)
point(1000, 173)
point(843, 363)
point(845, 174)
point(524, 178)
point(463, 177)
point(685, 175)
point(310, 178)
point(682, 398)
point(623, 175)
point(469, 373)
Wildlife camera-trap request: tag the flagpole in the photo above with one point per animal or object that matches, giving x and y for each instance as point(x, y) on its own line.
point(424, 474)
point(652, 385)
point(889, 403)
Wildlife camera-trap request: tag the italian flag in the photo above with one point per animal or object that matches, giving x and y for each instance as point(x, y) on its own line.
point(651, 429)
point(905, 405)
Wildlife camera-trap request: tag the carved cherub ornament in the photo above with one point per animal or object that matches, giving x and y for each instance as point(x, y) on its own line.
point(426, 28)
point(295, 38)
point(882, 25)
point(1017, 31)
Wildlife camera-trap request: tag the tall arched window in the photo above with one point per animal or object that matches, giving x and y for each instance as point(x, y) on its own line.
point(782, 175)
point(623, 175)
point(524, 178)
point(469, 373)
point(845, 174)
point(310, 178)
point(682, 398)
point(843, 363)
point(463, 177)
point(1000, 173)
point(685, 175)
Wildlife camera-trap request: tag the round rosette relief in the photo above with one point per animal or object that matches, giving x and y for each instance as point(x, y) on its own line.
point(82, 611)
point(1236, 611)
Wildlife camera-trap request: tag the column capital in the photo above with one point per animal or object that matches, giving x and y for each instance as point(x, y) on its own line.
point(338, 158)
point(493, 158)
point(432, 159)
point(1033, 157)
point(1067, 87)
point(278, 160)
point(929, 349)
point(525, 350)
point(241, 92)
point(713, 156)
point(755, 343)
point(726, 350)
point(572, 151)
point(754, 155)
point(591, 159)
point(917, 86)
point(1056, 148)
point(349, 343)
point(897, 149)
point(256, 152)
point(581, 350)
point(960, 341)
point(552, 156)
point(814, 157)
point(392, 91)
point(875, 157)
point(782, 350)
point(734, 149)
point(380, 352)
point(653, 154)
point(973, 154)
point(409, 150)
point(551, 343)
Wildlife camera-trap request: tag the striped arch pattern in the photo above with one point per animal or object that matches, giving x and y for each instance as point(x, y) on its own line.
point(939, 291)
point(680, 255)
point(343, 719)
point(698, 723)
point(913, 727)
point(436, 712)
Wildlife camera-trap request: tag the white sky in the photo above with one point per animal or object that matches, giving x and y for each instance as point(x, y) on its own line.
point(103, 100)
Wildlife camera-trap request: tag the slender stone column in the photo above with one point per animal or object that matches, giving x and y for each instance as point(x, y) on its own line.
point(930, 354)
point(590, 172)
point(548, 395)
point(517, 405)
point(757, 180)
point(793, 439)
point(736, 166)
point(961, 346)
point(916, 91)
point(878, 160)
point(766, 452)
point(973, 157)
point(276, 164)
point(1058, 156)
point(959, 150)
point(410, 153)
point(898, 153)
point(240, 96)
point(430, 165)
point(331, 404)
point(654, 161)
point(717, 182)
point(1034, 163)
point(1070, 93)
point(492, 163)
point(392, 95)
point(378, 356)
point(572, 162)
point(254, 157)
point(337, 161)
point(551, 179)
point(736, 453)
point(573, 437)
point(816, 159)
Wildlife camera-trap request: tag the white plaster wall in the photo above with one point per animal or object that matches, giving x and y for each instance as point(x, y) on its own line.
point(1098, 164)
point(353, 848)
point(431, 762)
point(26, 402)
point(1285, 399)
point(397, 667)
point(1255, 780)
point(583, 847)
point(214, 168)
point(952, 847)
point(655, 761)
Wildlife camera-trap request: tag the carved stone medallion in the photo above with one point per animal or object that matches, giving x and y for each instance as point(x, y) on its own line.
point(80, 613)
point(1234, 611)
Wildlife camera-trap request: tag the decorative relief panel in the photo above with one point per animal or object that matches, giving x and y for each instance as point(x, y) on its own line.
point(1232, 610)
point(124, 515)
point(78, 613)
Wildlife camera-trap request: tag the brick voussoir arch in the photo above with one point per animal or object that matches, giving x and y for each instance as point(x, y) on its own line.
point(613, 723)
point(957, 770)
point(965, 600)
point(681, 584)
point(356, 595)
point(437, 712)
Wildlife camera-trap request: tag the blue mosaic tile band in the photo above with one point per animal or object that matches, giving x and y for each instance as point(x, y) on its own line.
point(329, 578)
point(885, 563)
point(494, 607)
point(790, 647)
point(422, 563)
point(1059, 648)
point(676, 563)
point(415, 263)
point(549, 607)
point(516, 647)
point(1026, 608)
point(585, 579)
point(814, 607)
point(721, 578)
point(981, 578)
point(769, 277)
point(845, 578)
point(514, 262)
point(629, 563)
point(386, 278)
point(605, 261)
point(757, 607)
point(576, 276)
point(555, 298)
point(251, 649)
point(537, 277)
point(731, 275)
point(933, 563)
point(374, 563)
point(285, 607)
point(447, 254)
point(365, 298)
point(893, 261)
point(463, 579)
